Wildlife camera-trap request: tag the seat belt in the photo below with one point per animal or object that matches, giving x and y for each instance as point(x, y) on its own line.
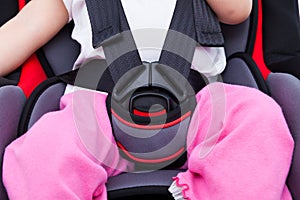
point(106, 22)
point(151, 103)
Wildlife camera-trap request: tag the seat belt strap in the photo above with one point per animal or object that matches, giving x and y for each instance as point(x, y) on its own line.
point(106, 22)
point(180, 43)
point(119, 47)
point(104, 19)
point(208, 29)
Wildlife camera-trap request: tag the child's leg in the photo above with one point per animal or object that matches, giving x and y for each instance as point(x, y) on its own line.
point(241, 148)
point(61, 157)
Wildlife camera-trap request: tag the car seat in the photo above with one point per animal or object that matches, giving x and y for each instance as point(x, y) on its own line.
point(241, 69)
point(276, 52)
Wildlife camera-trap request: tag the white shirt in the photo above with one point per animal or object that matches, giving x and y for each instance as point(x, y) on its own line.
point(210, 61)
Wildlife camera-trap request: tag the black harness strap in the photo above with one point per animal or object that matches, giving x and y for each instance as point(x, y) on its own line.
point(180, 42)
point(183, 35)
point(178, 50)
point(208, 28)
point(120, 50)
point(104, 18)
point(105, 22)
point(193, 22)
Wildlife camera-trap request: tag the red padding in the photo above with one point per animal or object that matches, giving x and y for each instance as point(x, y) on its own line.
point(32, 74)
point(149, 114)
point(21, 4)
point(258, 55)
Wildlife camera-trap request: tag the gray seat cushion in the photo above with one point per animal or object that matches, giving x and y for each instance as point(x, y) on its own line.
point(285, 89)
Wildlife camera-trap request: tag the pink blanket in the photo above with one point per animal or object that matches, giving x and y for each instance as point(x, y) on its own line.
point(239, 147)
point(242, 153)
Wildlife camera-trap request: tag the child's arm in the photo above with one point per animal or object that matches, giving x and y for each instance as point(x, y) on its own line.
point(37, 23)
point(231, 11)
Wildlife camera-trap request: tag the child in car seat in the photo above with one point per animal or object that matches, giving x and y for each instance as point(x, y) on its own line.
point(238, 143)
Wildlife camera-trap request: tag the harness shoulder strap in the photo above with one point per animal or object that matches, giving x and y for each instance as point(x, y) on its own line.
point(208, 28)
point(104, 19)
point(111, 30)
point(105, 22)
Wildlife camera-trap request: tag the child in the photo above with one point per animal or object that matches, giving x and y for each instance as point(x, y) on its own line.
point(242, 156)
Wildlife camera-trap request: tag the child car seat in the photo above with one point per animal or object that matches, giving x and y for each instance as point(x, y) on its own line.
point(240, 70)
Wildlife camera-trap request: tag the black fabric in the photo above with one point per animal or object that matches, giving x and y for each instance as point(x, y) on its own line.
point(105, 22)
point(14, 76)
point(176, 62)
point(106, 84)
point(119, 64)
point(123, 64)
point(8, 9)
point(281, 36)
point(104, 18)
point(5, 81)
point(44, 63)
point(182, 22)
point(252, 28)
point(208, 29)
point(289, 65)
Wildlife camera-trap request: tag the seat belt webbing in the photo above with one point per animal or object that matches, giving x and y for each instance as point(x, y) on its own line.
point(105, 22)
point(186, 30)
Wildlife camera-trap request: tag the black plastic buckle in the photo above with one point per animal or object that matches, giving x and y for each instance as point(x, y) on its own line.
point(153, 80)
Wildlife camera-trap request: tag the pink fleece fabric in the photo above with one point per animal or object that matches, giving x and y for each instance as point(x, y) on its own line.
point(239, 147)
point(245, 155)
